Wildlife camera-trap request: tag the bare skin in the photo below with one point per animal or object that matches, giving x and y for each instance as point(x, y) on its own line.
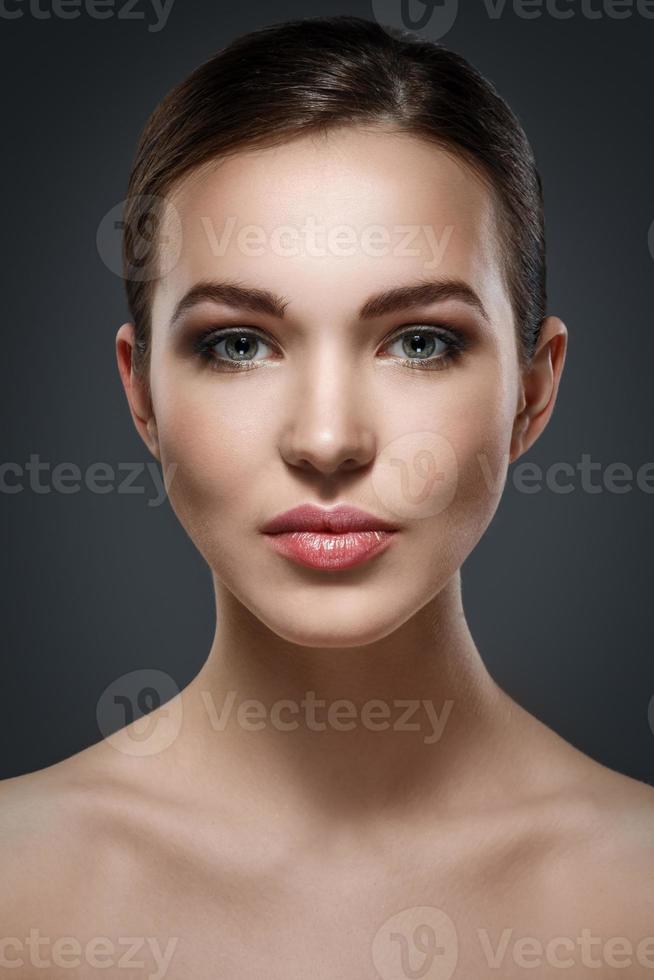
point(469, 840)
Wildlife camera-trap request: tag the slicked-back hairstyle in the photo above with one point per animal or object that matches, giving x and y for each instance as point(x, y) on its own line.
point(307, 76)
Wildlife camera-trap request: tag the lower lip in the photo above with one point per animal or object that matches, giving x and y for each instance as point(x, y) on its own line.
point(331, 552)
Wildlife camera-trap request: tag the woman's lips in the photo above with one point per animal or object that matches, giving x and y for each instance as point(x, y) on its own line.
point(330, 551)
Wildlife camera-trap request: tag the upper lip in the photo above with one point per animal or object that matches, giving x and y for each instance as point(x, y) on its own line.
point(335, 520)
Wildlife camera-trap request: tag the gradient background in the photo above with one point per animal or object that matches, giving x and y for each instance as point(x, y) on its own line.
point(558, 593)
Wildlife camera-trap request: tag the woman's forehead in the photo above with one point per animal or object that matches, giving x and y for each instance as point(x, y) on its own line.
point(354, 176)
point(333, 215)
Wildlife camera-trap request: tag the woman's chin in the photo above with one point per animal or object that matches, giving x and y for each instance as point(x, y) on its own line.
point(327, 622)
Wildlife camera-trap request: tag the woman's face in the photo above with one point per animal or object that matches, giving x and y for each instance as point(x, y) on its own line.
point(336, 403)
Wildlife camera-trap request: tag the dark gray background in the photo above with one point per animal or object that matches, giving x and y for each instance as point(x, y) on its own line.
point(558, 593)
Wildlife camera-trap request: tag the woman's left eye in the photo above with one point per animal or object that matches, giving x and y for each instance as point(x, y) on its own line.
point(428, 347)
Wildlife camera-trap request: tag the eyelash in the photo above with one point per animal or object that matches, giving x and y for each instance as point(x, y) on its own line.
point(455, 344)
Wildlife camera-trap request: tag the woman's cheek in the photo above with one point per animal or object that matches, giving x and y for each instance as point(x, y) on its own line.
point(482, 450)
point(209, 458)
point(447, 455)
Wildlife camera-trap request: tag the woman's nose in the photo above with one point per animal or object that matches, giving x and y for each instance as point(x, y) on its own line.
point(329, 421)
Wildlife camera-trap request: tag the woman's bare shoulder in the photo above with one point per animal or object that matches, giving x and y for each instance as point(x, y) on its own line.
point(601, 827)
point(620, 811)
point(57, 835)
point(30, 802)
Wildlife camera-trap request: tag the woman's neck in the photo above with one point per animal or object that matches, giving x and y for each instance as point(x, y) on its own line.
point(360, 732)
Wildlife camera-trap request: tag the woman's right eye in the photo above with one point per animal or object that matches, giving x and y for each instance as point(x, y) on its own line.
point(231, 348)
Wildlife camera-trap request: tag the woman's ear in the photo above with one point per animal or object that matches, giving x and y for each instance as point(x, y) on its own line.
point(136, 389)
point(539, 386)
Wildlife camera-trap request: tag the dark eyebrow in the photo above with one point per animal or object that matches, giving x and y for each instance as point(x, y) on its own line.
point(420, 294)
point(258, 300)
point(231, 294)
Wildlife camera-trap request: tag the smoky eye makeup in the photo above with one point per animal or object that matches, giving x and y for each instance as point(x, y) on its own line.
point(427, 345)
point(239, 346)
point(420, 343)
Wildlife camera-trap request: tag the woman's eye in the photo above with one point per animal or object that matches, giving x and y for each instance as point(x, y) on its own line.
point(232, 349)
point(425, 347)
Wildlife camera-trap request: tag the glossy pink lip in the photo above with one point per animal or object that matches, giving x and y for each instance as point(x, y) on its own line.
point(329, 540)
point(336, 520)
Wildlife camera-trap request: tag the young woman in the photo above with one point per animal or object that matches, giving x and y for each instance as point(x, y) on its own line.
point(335, 265)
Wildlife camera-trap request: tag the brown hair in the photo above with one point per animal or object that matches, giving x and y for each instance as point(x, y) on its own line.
point(306, 76)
